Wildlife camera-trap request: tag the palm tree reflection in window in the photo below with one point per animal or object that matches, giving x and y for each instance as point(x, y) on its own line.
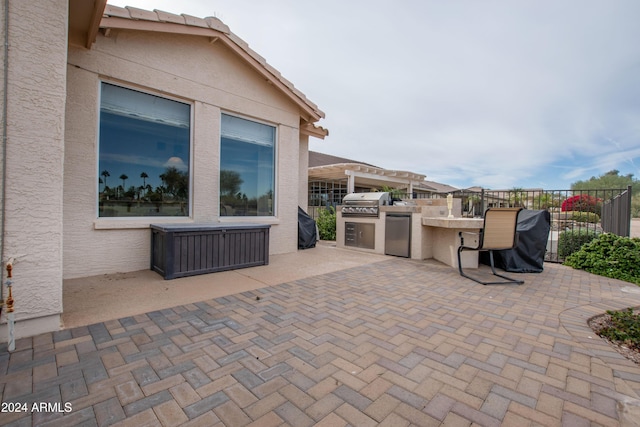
point(176, 183)
point(170, 198)
point(230, 184)
point(141, 137)
point(105, 174)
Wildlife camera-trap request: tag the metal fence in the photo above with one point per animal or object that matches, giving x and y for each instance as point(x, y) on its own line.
point(616, 214)
point(577, 216)
point(324, 195)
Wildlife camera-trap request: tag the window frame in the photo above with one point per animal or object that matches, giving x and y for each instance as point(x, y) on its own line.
point(107, 222)
point(276, 134)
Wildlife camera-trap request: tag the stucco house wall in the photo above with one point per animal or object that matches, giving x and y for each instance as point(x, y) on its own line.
point(34, 155)
point(191, 69)
point(303, 176)
point(57, 60)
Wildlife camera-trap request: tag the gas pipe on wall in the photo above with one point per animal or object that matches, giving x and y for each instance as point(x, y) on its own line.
point(11, 319)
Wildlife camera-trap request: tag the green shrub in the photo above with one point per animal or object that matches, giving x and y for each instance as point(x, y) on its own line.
point(610, 256)
point(624, 328)
point(590, 217)
point(572, 240)
point(327, 224)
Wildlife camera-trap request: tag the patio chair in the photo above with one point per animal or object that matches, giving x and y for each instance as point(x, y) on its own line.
point(498, 233)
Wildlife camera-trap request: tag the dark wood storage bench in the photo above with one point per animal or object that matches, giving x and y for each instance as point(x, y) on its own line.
point(179, 250)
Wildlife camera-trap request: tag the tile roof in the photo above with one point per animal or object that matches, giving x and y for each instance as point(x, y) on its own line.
point(321, 159)
point(323, 162)
point(156, 15)
point(113, 17)
point(326, 166)
point(440, 188)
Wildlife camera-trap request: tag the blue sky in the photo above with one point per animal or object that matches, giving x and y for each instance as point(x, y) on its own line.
point(499, 94)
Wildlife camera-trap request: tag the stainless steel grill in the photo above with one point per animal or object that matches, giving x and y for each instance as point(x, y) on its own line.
point(364, 204)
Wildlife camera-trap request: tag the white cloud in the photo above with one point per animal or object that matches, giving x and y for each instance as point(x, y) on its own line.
point(176, 162)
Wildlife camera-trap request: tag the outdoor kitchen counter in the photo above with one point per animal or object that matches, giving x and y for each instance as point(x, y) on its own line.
point(441, 233)
point(431, 236)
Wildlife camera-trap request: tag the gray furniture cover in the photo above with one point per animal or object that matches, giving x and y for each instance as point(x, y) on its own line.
point(528, 255)
point(306, 230)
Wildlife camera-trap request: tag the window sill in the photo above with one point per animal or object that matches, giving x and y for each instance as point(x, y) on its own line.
point(136, 223)
point(141, 223)
point(249, 219)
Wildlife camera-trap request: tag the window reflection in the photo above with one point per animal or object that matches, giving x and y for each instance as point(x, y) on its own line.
point(144, 155)
point(247, 165)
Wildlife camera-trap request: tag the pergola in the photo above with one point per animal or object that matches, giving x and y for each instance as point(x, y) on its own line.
point(359, 175)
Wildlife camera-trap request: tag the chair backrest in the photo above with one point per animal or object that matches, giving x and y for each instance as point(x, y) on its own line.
point(499, 230)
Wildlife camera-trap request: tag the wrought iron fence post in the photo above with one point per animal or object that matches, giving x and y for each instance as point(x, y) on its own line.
point(628, 210)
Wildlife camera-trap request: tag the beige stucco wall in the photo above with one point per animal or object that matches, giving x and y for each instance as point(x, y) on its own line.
point(191, 69)
point(35, 148)
point(303, 174)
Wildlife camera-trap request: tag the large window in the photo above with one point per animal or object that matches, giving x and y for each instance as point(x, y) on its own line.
point(143, 165)
point(247, 167)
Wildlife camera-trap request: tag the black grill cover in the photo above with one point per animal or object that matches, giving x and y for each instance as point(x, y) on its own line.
point(528, 255)
point(306, 230)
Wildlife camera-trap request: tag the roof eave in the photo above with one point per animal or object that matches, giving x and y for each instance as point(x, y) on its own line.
point(310, 112)
point(84, 21)
point(311, 129)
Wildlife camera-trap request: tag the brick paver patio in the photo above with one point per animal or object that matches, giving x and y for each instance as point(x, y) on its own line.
point(396, 343)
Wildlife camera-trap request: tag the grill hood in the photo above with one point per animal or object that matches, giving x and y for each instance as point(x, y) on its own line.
point(379, 198)
point(364, 204)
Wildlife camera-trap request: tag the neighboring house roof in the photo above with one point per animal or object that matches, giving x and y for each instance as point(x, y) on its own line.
point(82, 19)
point(321, 159)
point(326, 166)
point(475, 189)
point(531, 192)
point(440, 188)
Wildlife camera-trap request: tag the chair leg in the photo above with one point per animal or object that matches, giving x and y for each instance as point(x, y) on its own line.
point(462, 273)
point(508, 280)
